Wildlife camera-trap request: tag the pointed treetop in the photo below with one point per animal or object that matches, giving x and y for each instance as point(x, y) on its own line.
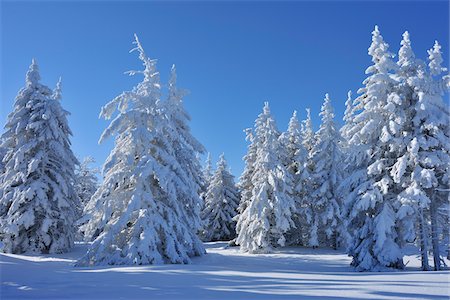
point(327, 111)
point(381, 57)
point(405, 54)
point(307, 123)
point(405, 38)
point(173, 76)
point(348, 107)
point(308, 114)
point(207, 171)
point(435, 59)
point(57, 92)
point(306, 127)
point(222, 162)
point(149, 72)
point(293, 122)
point(378, 45)
point(266, 108)
point(33, 76)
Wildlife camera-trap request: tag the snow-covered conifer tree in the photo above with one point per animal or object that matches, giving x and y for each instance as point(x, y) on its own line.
point(295, 158)
point(411, 207)
point(137, 209)
point(208, 170)
point(186, 147)
point(221, 203)
point(206, 177)
point(37, 201)
point(307, 132)
point(2, 155)
point(268, 216)
point(308, 141)
point(372, 202)
point(245, 184)
point(326, 157)
point(348, 119)
point(86, 183)
point(427, 159)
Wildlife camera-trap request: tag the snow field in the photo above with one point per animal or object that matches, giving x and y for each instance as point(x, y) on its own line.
point(291, 273)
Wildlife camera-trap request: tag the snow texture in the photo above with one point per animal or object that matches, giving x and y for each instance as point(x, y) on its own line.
point(221, 202)
point(224, 273)
point(145, 210)
point(37, 199)
point(268, 215)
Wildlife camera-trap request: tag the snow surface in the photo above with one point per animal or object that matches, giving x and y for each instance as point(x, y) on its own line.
point(291, 273)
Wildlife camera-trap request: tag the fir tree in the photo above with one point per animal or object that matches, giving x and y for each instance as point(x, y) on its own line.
point(428, 152)
point(245, 183)
point(326, 157)
point(294, 160)
point(185, 149)
point(207, 170)
point(308, 142)
point(37, 201)
point(372, 203)
point(411, 207)
point(138, 213)
point(221, 202)
point(268, 216)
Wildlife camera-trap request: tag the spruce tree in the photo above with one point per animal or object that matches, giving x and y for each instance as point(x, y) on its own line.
point(245, 183)
point(308, 141)
point(294, 160)
point(326, 157)
point(268, 216)
point(372, 204)
point(136, 213)
point(221, 203)
point(207, 170)
point(37, 200)
point(186, 149)
point(428, 154)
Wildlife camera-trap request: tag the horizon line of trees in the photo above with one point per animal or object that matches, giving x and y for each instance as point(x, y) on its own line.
point(374, 186)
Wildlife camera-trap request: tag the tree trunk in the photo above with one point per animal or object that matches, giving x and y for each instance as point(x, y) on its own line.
point(423, 233)
point(435, 235)
point(334, 240)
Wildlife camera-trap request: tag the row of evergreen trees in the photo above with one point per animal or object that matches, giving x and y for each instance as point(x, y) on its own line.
point(375, 185)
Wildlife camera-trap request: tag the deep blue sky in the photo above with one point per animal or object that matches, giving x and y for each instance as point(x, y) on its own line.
point(232, 56)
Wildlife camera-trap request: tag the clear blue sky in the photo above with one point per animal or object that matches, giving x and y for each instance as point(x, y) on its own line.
point(232, 56)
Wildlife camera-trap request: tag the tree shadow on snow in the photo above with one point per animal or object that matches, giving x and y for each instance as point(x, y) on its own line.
point(288, 274)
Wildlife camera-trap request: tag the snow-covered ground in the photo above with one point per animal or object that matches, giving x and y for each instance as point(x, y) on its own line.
point(293, 273)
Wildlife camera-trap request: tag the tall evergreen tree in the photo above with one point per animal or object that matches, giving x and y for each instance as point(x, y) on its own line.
point(401, 172)
point(372, 204)
point(326, 156)
point(348, 119)
point(221, 203)
point(137, 208)
point(208, 170)
point(37, 200)
point(428, 155)
point(308, 141)
point(185, 149)
point(294, 160)
point(245, 183)
point(268, 216)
